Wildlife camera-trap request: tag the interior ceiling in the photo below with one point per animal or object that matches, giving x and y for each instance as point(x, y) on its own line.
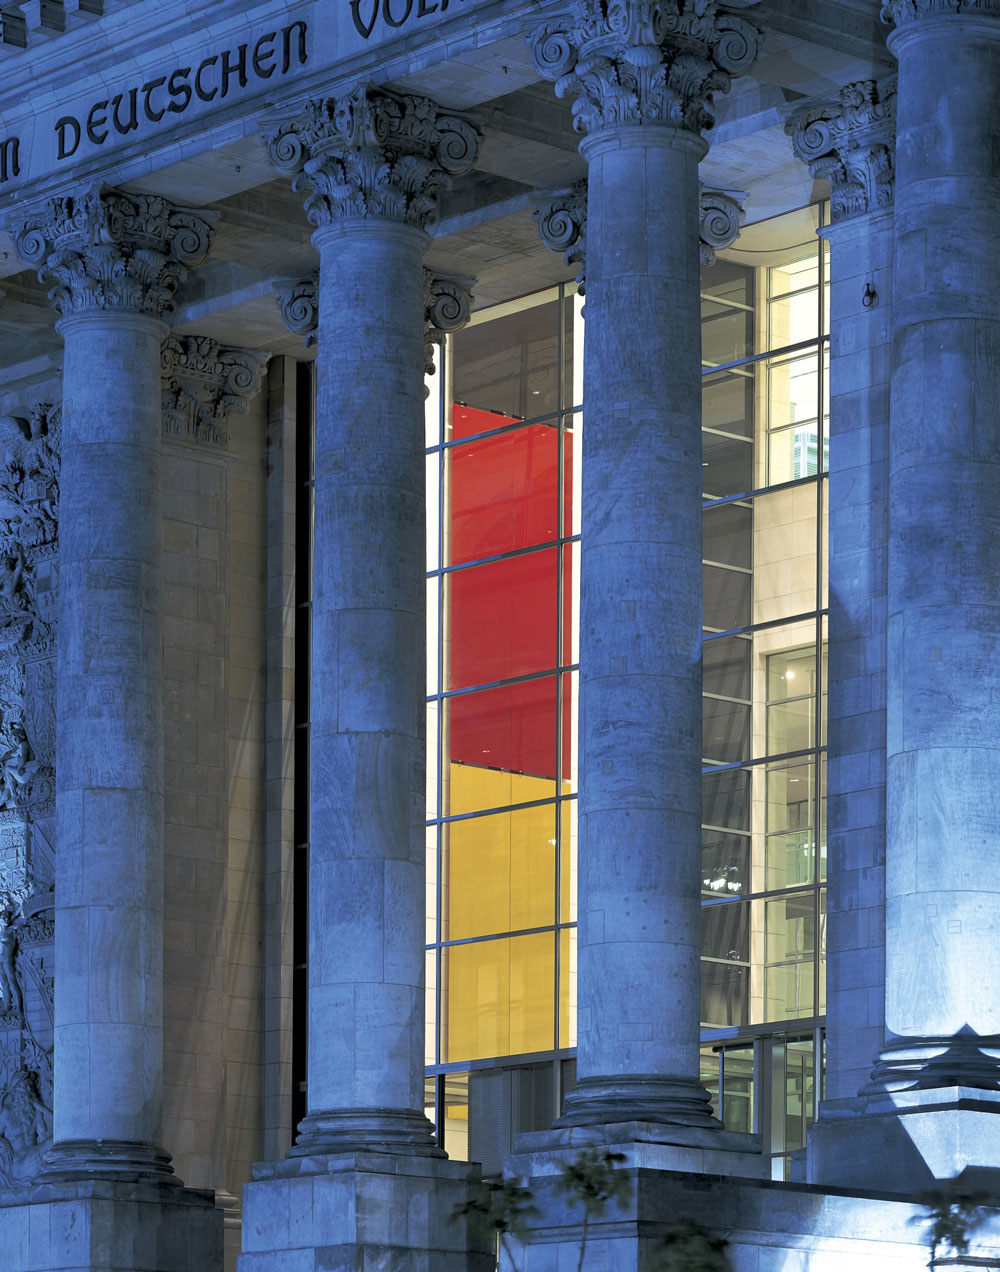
point(486, 229)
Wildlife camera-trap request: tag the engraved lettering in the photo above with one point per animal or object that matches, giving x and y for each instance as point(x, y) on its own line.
point(154, 116)
point(390, 18)
point(96, 119)
point(68, 123)
point(364, 28)
point(262, 57)
point(240, 69)
point(177, 85)
point(425, 10)
point(133, 113)
point(286, 60)
point(10, 158)
point(205, 97)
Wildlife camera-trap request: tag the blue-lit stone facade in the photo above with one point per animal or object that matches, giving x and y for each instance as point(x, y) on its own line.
point(498, 637)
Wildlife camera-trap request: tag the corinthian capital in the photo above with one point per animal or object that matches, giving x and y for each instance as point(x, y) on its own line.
point(203, 384)
point(373, 153)
point(562, 226)
point(900, 13)
point(298, 302)
point(852, 143)
point(447, 309)
point(644, 61)
point(720, 221)
point(107, 250)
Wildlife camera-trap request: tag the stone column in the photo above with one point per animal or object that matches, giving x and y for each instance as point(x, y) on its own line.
point(851, 143)
point(115, 261)
point(943, 728)
point(372, 166)
point(643, 78)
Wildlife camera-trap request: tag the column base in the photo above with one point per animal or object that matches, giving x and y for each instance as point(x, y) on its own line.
point(127, 1161)
point(933, 1063)
point(105, 1225)
point(640, 1097)
point(361, 1210)
point(332, 1131)
point(905, 1141)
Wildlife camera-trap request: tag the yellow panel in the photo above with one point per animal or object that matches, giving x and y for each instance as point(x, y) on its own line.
point(567, 987)
point(499, 997)
point(473, 788)
point(498, 872)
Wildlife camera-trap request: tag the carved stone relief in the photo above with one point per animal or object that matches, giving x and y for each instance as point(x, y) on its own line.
point(29, 501)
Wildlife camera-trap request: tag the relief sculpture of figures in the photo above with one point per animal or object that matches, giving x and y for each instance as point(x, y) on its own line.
point(18, 765)
point(11, 921)
point(25, 1131)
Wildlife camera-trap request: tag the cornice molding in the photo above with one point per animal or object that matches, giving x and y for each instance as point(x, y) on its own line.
point(644, 61)
point(373, 153)
point(851, 143)
point(901, 13)
point(111, 251)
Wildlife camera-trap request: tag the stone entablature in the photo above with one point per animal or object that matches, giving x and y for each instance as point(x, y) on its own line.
point(644, 61)
point(852, 144)
point(901, 12)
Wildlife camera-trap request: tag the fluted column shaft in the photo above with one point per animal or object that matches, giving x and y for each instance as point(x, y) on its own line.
point(943, 726)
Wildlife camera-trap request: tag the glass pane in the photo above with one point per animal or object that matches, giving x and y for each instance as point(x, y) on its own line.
point(727, 598)
point(784, 578)
point(790, 944)
point(727, 535)
point(503, 619)
point(727, 313)
point(709, 1075)
point(727, 402)
point(725, 800)
point(792, 388)
point(800, 1095)
point(502, 746)
point(737, 1088)
point(567, 987)
point(504, 491)
point(568, 813)
point(790, 859)
point(725, 731)
point(791, 726)
point(789, 796)
point(430, 1008)
point(726, 465)
point(509, 364)
point(791, 674)
point(499, 873)
point(726, 667)
point(725, 935)
point(499, 997)
point(725, 863)
point(456, 1116)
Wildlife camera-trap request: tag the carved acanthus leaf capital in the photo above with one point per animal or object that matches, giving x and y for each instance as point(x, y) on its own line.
point(720, 221)
point(562, 226)
point(447, 309)
point(644, 61)
point(851, 143)
point(373, 153)
point(899, 13)
point(203, 383)
point(298, 302)
point(107, 250)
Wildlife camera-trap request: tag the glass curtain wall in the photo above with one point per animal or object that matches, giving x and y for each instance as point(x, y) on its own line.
point(765, 429)
point(503, 439)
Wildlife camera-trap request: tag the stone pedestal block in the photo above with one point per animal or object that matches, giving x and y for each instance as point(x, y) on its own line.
point(907, 1141)
point(103, 1226)
point(358, 1212)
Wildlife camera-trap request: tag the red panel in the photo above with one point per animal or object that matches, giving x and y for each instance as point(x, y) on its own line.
point(511, 728)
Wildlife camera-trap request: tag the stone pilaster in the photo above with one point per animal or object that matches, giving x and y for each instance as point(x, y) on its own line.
point(114, 261)
point(371, 167)
point(204, 383)
point(851, 142)
point(642, 75)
